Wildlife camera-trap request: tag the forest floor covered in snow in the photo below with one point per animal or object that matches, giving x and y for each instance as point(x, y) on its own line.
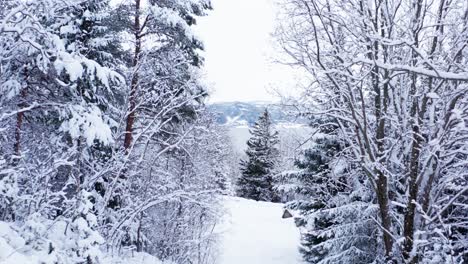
point(251, 233)
point(255, 233)
point(14, 249)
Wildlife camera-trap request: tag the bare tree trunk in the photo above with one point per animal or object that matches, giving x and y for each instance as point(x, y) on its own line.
point(382, 199)
point(414, 162)
point(409, 219)
point(381, 107)
point(382, 181)
point(135, 79)
point(139, 243)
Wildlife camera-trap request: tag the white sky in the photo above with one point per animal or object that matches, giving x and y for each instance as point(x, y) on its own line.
point(237, 37)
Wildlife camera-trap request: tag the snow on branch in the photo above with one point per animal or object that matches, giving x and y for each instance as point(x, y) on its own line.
point(461, 76)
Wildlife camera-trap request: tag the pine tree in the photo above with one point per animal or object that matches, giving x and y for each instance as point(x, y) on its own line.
point(72, 73)
point(59, 99)
point(163, 43)
point(256, 181)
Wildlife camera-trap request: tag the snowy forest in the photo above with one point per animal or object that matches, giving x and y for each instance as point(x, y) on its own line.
point(112, 152)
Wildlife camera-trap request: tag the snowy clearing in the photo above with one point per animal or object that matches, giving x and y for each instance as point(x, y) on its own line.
point(255, 233)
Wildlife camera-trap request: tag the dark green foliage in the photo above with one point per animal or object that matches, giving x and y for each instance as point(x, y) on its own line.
point(335, 219)
point(256, 181)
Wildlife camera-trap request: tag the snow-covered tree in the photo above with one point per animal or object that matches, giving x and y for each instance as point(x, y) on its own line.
point(104, 136)
point(393, 74)
point(55, 97)
point(334, 214)
point(257, 171)
point(162, 31)
point(175, 198)
point(47, 86)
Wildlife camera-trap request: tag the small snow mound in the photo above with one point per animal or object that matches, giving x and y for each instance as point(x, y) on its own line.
point(433, 95)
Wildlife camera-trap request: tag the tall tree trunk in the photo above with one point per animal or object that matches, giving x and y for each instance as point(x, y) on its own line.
point(382, 181)
point(409, 219)
point(382, 199)
point(381, 107)
point(414, 162)
point(135, 79)
point(116, 201)
point(139, 242)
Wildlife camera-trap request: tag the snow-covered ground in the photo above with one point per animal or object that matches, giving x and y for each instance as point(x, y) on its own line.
point(15, 250)
point(255, 233)
point(252, 233)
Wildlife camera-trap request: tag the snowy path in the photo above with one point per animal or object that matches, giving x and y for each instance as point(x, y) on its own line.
point(256, 234)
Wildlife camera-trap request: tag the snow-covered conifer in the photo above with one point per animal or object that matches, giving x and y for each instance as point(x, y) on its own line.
point(256, 181)
point(334, 214)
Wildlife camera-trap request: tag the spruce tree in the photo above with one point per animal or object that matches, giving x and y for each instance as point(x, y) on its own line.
point(256, 181)
point(334, 217)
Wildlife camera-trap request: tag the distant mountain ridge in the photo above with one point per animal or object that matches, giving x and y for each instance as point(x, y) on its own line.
point(246, 113)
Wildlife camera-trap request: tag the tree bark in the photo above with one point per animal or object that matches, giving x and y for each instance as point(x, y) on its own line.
point(381, 107)
point(382, 199)
point(409, 219)
point(414, 162)
point(135, 79)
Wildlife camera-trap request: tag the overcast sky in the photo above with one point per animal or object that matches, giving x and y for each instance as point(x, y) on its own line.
point(239, 53)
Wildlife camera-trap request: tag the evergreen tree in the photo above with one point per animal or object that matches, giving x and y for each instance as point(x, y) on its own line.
point(78, 79)
point(165, 60)
point(256, 181)
point(335, 219)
